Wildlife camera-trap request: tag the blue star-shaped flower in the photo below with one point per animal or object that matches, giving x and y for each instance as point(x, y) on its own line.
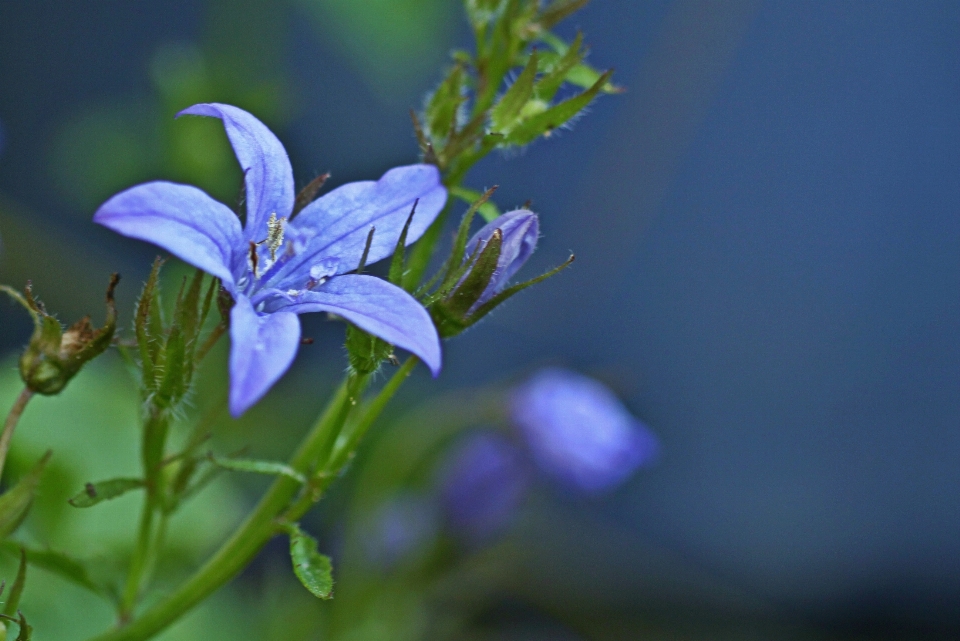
point(276, 268)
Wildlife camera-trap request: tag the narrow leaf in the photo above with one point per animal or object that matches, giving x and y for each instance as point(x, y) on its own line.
point(312, 568)
point(13, 600)
point(15, 504)
point(506, 112)
point(441, 111)
point(550, 83)
point(558, 115)
point(60, 564)
point(100, 491)
point(273, 468)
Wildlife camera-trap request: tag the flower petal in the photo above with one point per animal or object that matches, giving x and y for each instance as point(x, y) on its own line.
point(179, 218)
point(267, 172)
point(262, 347)
point(336, 225)
point(378, 307)
point(521, 229)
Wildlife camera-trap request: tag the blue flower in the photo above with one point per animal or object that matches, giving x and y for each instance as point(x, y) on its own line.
point(483, 483)
point(277, 266)
point(520, 230)
point(578, 431)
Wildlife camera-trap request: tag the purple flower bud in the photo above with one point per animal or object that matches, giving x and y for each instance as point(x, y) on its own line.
point(520, 229)
point(578, 431)
point(483, 483)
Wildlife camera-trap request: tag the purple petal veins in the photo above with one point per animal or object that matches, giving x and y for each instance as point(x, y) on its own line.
point(276, 268)
point(579, 431)
point(520, 229)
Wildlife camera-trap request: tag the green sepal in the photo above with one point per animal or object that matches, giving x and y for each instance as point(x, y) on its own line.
point(395, 275)
point(16, 502)
point(419, 257)
point(582, 74)
point(61, 564)
point(488, 210)
point(26, 631)
point(365, 351)
point(506, 112)
point(54, 355)
point(148, 325)
point(312, 568)
point(559, 11)
point(443, 107)
point(308, 193)
point(16, 591)
point(545, 122)
point(94, 493)
point(488, 306)
point(272, 468)
point(558, 70)
point(173, 383)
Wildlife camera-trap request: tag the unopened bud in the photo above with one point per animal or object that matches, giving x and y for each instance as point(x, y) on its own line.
point(55, 355)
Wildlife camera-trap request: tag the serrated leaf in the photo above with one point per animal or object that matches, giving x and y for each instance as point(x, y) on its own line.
point(94, 493)
point(505, 113)
point(441, 112)
point(60, 564)
point(312, 568)
point(15, 503)
point(273, 468)
point(557, 116)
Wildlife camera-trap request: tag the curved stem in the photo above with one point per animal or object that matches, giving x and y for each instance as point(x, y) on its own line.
point(253, 533)
point(11, 424)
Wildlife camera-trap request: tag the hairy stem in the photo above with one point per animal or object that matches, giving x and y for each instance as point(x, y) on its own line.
point(255, 531)
point(11, 424)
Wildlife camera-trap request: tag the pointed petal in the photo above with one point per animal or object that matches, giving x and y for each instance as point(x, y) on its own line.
point(336, 225)
point(378, 307)
point(262, 347)
point(267, 172)
point(179, 218)
point(521, 229)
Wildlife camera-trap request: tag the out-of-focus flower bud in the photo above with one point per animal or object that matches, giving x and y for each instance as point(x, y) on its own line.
point(579, 432)
point(398, 528)
point(55, 355)
point(482, 485)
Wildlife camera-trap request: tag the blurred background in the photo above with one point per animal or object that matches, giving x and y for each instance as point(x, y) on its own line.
point(767, 231)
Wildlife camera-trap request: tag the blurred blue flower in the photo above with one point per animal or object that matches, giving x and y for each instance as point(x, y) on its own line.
point(278, 266)
point(520, 229)
point(578, 431)
point(483, 482)
point(398, 528)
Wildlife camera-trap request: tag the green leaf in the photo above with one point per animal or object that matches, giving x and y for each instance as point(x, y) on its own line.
point(443, 106)
point(15, 504)
point(100, 491)
point(13, 600)
point(550, 83)
point(273, 468)
point(506, 112)
point(488, 209)
point(559, 11)
point(556, 116)
point(60, 564)
point(312, 568)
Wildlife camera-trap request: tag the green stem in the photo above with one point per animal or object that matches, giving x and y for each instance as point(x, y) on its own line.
point(253, 533)
point(11, 423)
